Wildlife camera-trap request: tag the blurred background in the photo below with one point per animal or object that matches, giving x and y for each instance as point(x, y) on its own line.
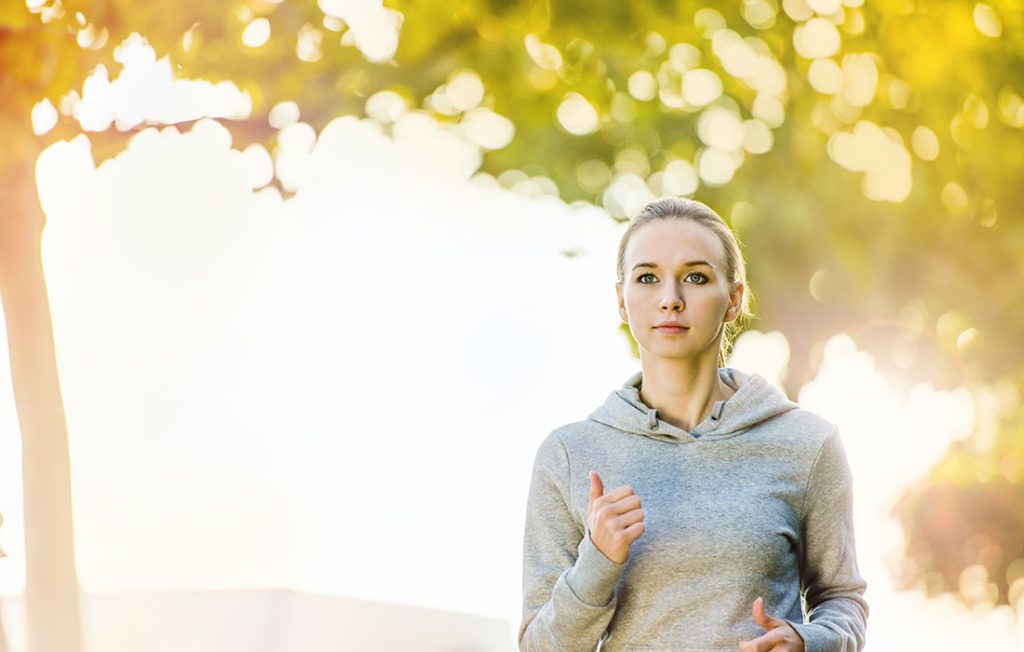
point(293, 290)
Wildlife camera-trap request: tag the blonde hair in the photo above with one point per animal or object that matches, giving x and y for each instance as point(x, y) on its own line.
point(735, 266)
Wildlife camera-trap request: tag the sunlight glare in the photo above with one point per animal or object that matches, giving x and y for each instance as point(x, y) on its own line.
point(643, 86)
point(146, 91)
point(757, 137)
point(577, 116)
point(721, 128)
point(546, 56)
point(766, 354)
point(925, 143)
point(824, 7)
point(769, 110)
point(679, 178)
point(464, 90)
point(878, 153)
point(738, 58)
point(256, 33)
point(760, 13)
point(308, 44)
point(716, 167)
point(283, 114)
point(373, 29)
point(683, 57)
point(798, 10)
point(987, 20)
point(825, 76)
point(860, 79)
point(44, 117)
point(701, 86)
point(626, 195)
point(487, 129)
point(385, 107)
point(816, 38)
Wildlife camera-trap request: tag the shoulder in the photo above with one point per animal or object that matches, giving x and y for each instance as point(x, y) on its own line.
point(819, 447)
point(553, 450)
point(804, 427)
point(803, 437)
point(577, 432)
point(585, 439)
point(573, 441)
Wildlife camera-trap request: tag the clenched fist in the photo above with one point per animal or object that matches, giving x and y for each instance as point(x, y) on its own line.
point(779, 636)
point(615, 520)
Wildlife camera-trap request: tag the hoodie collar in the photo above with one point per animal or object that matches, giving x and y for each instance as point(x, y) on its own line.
point(755, 400)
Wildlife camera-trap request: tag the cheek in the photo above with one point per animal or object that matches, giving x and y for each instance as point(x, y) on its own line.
point(634, 303)
point(714, 306)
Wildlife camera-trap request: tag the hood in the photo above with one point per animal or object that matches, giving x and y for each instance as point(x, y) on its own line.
point(755, 400)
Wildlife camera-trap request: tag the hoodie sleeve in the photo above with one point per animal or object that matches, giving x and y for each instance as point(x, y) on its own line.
point(569, 592)
point(834, 590)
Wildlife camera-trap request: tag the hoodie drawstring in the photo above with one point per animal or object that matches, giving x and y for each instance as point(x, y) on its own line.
point(652, 419)
point(716, 410)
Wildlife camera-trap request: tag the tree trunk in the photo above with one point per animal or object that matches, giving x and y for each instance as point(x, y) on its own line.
point(51, 587)
point(3, 635)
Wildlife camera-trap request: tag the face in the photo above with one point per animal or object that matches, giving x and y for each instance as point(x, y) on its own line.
point(675, 294)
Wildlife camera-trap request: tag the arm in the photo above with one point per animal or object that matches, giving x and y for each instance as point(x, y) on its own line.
point(830, 581)
point(568, 584)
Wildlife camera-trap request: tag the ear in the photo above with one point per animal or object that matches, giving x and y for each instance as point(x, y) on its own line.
point(735, 302)
point(623, 315)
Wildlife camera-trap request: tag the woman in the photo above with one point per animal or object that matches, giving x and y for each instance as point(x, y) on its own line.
point(728, 502)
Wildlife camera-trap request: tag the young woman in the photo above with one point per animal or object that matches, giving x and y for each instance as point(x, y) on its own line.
point(728, 522)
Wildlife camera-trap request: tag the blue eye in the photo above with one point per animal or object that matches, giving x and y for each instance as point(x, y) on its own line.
point(643, 276)
point(702, 279)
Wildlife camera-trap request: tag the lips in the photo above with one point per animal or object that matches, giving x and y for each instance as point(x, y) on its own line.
point(670, 327)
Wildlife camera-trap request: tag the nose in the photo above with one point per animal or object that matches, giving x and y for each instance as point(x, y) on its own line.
point(672, 298)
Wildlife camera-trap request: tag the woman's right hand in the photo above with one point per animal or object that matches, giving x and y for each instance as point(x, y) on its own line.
point(615, 520)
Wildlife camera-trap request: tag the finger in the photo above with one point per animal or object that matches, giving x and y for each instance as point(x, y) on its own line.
point(617, 494)
point(762, 643)
point(629, 518)
point(596, 488)
point(635, 531)
point(758, 611)
point(627, 504)
point(764, 620)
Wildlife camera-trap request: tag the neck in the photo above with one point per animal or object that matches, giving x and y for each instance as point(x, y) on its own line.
point(682, 391)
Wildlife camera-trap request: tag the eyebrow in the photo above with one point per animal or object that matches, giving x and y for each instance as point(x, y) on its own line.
point(692, 263)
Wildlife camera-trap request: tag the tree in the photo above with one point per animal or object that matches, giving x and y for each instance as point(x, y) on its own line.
point(870, 168)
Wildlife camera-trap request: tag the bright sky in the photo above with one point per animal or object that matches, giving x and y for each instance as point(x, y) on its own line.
point(343, 392)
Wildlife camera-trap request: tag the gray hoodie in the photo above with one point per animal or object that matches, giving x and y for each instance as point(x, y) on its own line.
point(754, 501)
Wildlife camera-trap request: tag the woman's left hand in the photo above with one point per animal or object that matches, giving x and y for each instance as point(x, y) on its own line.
point(779, 636)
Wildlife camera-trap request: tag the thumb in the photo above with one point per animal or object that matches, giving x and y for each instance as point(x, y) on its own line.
point(763, 619)
point(596, 488)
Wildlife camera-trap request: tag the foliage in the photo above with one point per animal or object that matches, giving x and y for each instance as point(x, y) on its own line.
point(963, 523)
point(868, 154)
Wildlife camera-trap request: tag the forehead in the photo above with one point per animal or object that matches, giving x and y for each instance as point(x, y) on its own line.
point(670, 241)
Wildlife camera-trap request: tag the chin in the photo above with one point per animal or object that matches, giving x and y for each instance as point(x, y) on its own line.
point(676, 352)
point(670, 354)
